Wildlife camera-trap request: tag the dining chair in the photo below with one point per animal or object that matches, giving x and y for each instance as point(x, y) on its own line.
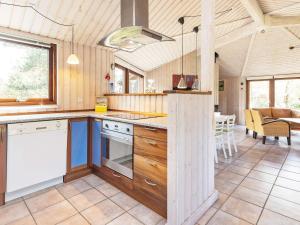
point(229, 132)
point(219, 131)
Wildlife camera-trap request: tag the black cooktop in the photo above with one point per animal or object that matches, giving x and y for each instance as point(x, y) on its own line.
point(131, 116)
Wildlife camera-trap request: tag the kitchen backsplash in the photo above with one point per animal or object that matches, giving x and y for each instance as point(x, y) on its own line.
point(139, 103)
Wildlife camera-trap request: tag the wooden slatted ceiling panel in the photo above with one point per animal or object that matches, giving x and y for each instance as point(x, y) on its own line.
point(94, 19)
point(155, 55)
point(232, 57)
point(271, 55)
point(291, 10)
point(164, 14)
point(273, 5)
point(152, 56)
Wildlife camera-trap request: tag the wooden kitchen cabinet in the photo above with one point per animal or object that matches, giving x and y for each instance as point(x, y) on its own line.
point(150, 167)
point(96, 126)
point(78, 156)
point(3, 151)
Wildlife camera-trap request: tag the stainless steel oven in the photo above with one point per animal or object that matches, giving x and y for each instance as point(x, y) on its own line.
point(117, 147)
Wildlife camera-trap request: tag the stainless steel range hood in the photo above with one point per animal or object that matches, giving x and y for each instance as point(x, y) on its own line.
point(134, 32)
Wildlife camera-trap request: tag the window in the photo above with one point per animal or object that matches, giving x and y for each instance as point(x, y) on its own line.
point(127, 81)
point(120, 75)
point(287, 93)
point(27, 73)
point(280, 93)
point(136, 83)
point(259, 94)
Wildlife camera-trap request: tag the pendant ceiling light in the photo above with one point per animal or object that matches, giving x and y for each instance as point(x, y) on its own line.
point(182, 82)
point(73, 59)
point(196, 84)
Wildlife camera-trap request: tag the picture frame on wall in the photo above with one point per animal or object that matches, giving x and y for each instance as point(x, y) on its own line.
point(221, 85)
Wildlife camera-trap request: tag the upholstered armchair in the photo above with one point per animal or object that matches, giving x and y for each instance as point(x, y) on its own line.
point(275, 128)
point(249, 122)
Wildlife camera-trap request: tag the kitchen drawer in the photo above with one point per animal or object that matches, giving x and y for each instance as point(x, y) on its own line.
point(154, 170)
point(115, 178)
point(152, 149)
point(150, 132)
point(149, 187)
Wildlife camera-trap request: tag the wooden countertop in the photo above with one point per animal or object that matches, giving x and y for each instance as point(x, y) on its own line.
point(188, 92)
point(165, 93)
point(137, 94)
point(157, 122)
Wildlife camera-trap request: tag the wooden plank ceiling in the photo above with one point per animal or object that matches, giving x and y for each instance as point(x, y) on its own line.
point(94, 19)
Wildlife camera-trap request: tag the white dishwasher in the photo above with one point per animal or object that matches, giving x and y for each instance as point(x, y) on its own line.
point(36, 156)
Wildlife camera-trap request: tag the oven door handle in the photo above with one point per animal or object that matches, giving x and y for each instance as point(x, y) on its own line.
point(124, 140)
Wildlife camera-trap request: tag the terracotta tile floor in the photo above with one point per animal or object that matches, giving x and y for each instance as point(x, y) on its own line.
point(260, 184)
point(89, 200)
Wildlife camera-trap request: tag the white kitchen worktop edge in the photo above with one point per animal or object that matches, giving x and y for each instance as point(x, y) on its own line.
point(158, 122)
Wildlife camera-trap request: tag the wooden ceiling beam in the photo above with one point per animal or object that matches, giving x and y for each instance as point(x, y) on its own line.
point(281, 21)
point(268, 20)
point(254, 10)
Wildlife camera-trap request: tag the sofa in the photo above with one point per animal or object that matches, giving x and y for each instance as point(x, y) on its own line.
point(276, 113)
point(270, 127)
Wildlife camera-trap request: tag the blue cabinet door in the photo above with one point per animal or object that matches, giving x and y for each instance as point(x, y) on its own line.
point(96, 142)
point(79, 143)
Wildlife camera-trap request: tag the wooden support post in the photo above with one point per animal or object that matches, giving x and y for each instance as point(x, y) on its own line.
point(207, 44)
point(191, 189)
point(208, 68)
point(190, 157)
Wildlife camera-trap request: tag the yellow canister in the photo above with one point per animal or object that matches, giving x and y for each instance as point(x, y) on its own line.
point(100, 108)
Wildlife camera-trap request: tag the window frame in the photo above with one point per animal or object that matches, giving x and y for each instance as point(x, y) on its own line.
point(127, 71)
point(52, 87)
point(271, 89)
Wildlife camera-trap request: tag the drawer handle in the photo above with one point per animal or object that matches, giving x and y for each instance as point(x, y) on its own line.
point(150, 129)
point(150, 183)
point(115, 175)
point(151, 142)
point(41, 128)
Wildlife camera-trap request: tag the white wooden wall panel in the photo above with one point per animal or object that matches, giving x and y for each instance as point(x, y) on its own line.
point(232, 99)
point(148, 104)
point(190, 158)
point(163, 75)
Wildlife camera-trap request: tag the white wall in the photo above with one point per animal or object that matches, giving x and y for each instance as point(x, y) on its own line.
point(163, 75)
point(233, 99)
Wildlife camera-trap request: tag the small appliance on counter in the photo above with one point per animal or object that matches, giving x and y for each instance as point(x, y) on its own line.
point(101, 104)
